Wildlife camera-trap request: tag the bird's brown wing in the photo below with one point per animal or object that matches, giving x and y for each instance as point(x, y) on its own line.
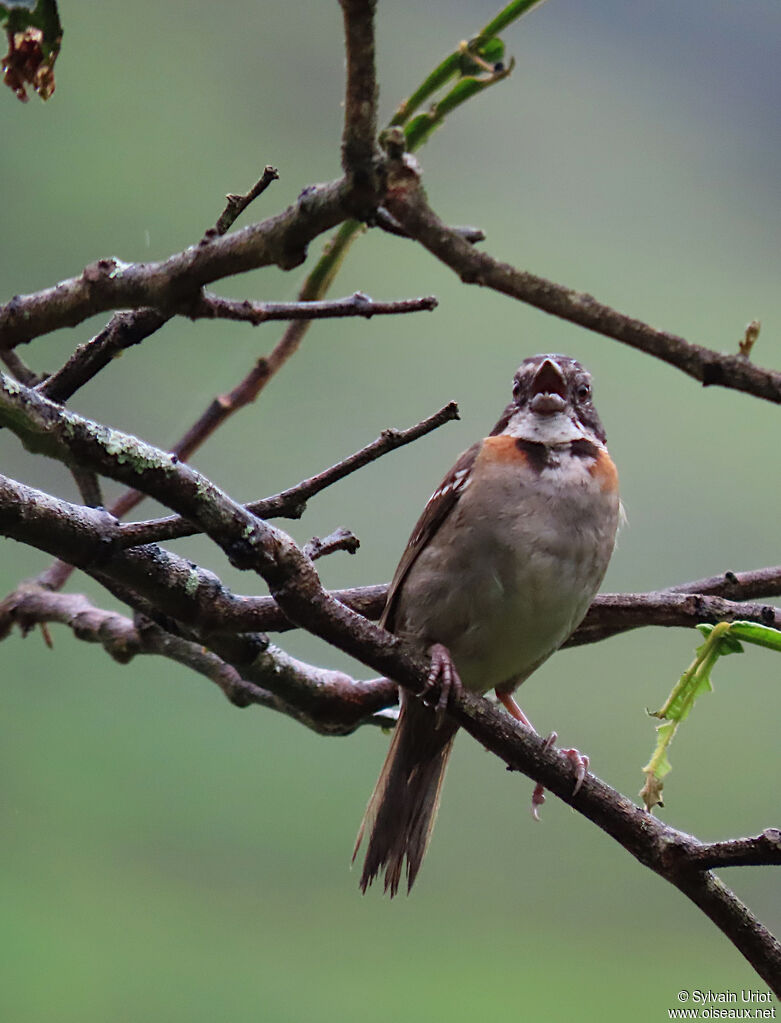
point(438, 507)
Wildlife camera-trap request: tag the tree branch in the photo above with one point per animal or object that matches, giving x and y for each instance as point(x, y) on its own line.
point(670, 853)
point(340, 540)
point(407, 204)
point(758, 582)
point(360, 104)
point(763, 850)
point(236, 204)
point(612, 613)
point(121, 332)
point(207, 306)
point(390, 225)
point(18, 368)
point(252, 544)
point(131, 328)
point(248, 389)
point(111, 284)
point(92, 540)
point(291, 503)
point(328, 702)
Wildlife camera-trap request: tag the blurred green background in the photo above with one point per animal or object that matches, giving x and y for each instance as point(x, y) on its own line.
point(165, 857)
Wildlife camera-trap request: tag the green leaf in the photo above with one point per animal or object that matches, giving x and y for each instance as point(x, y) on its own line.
point(695, 681)
point(759, 635)
point(720, 641)
point(729, 643)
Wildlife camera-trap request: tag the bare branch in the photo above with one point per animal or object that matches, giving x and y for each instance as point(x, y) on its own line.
point(616, 612)
point(360, 104)
point(763, 850)
point(89, 486)
point(390, 225)
point(122, 331)
point(758, 582)
point(18, 368)
point(248, 389)
point(255, 545)
point(666, 608)
point(291, 503)
point(236, 204)
point(340, 540)
point(328, 702)
point(631, 610)
point(737, 586)
point(92, 539)
point(208, 306)
point(111, 284)
point(407, 204)
point(130, 328)
point(670, 853)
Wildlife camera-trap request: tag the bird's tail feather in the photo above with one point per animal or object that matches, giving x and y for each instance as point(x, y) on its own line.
point(401, 812)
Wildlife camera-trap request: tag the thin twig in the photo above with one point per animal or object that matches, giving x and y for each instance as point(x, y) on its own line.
point(89, 486)
point(254, 545)
point(734, 586)
point(760, 851)
point(208, 306)
point(248, 389)
point(758, 582)
point(290, 503)
point(390, 225)
point(131, 328)
point(332, 705)
point(89, 538)
point(340, 540)
point(111, 284)
point(121, 332)
point(407, 204)
point(236, 204)
point(19, 368)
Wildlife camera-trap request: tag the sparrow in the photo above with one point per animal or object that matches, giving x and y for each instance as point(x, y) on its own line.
point(499, 571)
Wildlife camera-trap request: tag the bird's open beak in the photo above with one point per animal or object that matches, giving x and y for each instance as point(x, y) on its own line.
point(549, 389)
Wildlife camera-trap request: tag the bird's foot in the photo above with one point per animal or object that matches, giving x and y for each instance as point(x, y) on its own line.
point(538, 798)
point(442, 671)
point(578, 760)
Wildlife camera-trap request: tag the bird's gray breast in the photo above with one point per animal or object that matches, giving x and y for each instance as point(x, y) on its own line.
point(513, 569)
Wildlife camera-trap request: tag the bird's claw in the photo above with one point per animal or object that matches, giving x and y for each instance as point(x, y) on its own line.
point(578, 760)
point(538, 798)
point(442, 671)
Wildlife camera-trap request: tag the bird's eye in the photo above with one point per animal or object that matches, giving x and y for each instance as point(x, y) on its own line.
point(516, 389)
point(583, 392)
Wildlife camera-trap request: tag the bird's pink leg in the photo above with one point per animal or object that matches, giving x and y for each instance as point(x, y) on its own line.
point(512, 708)
point(578, 760)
